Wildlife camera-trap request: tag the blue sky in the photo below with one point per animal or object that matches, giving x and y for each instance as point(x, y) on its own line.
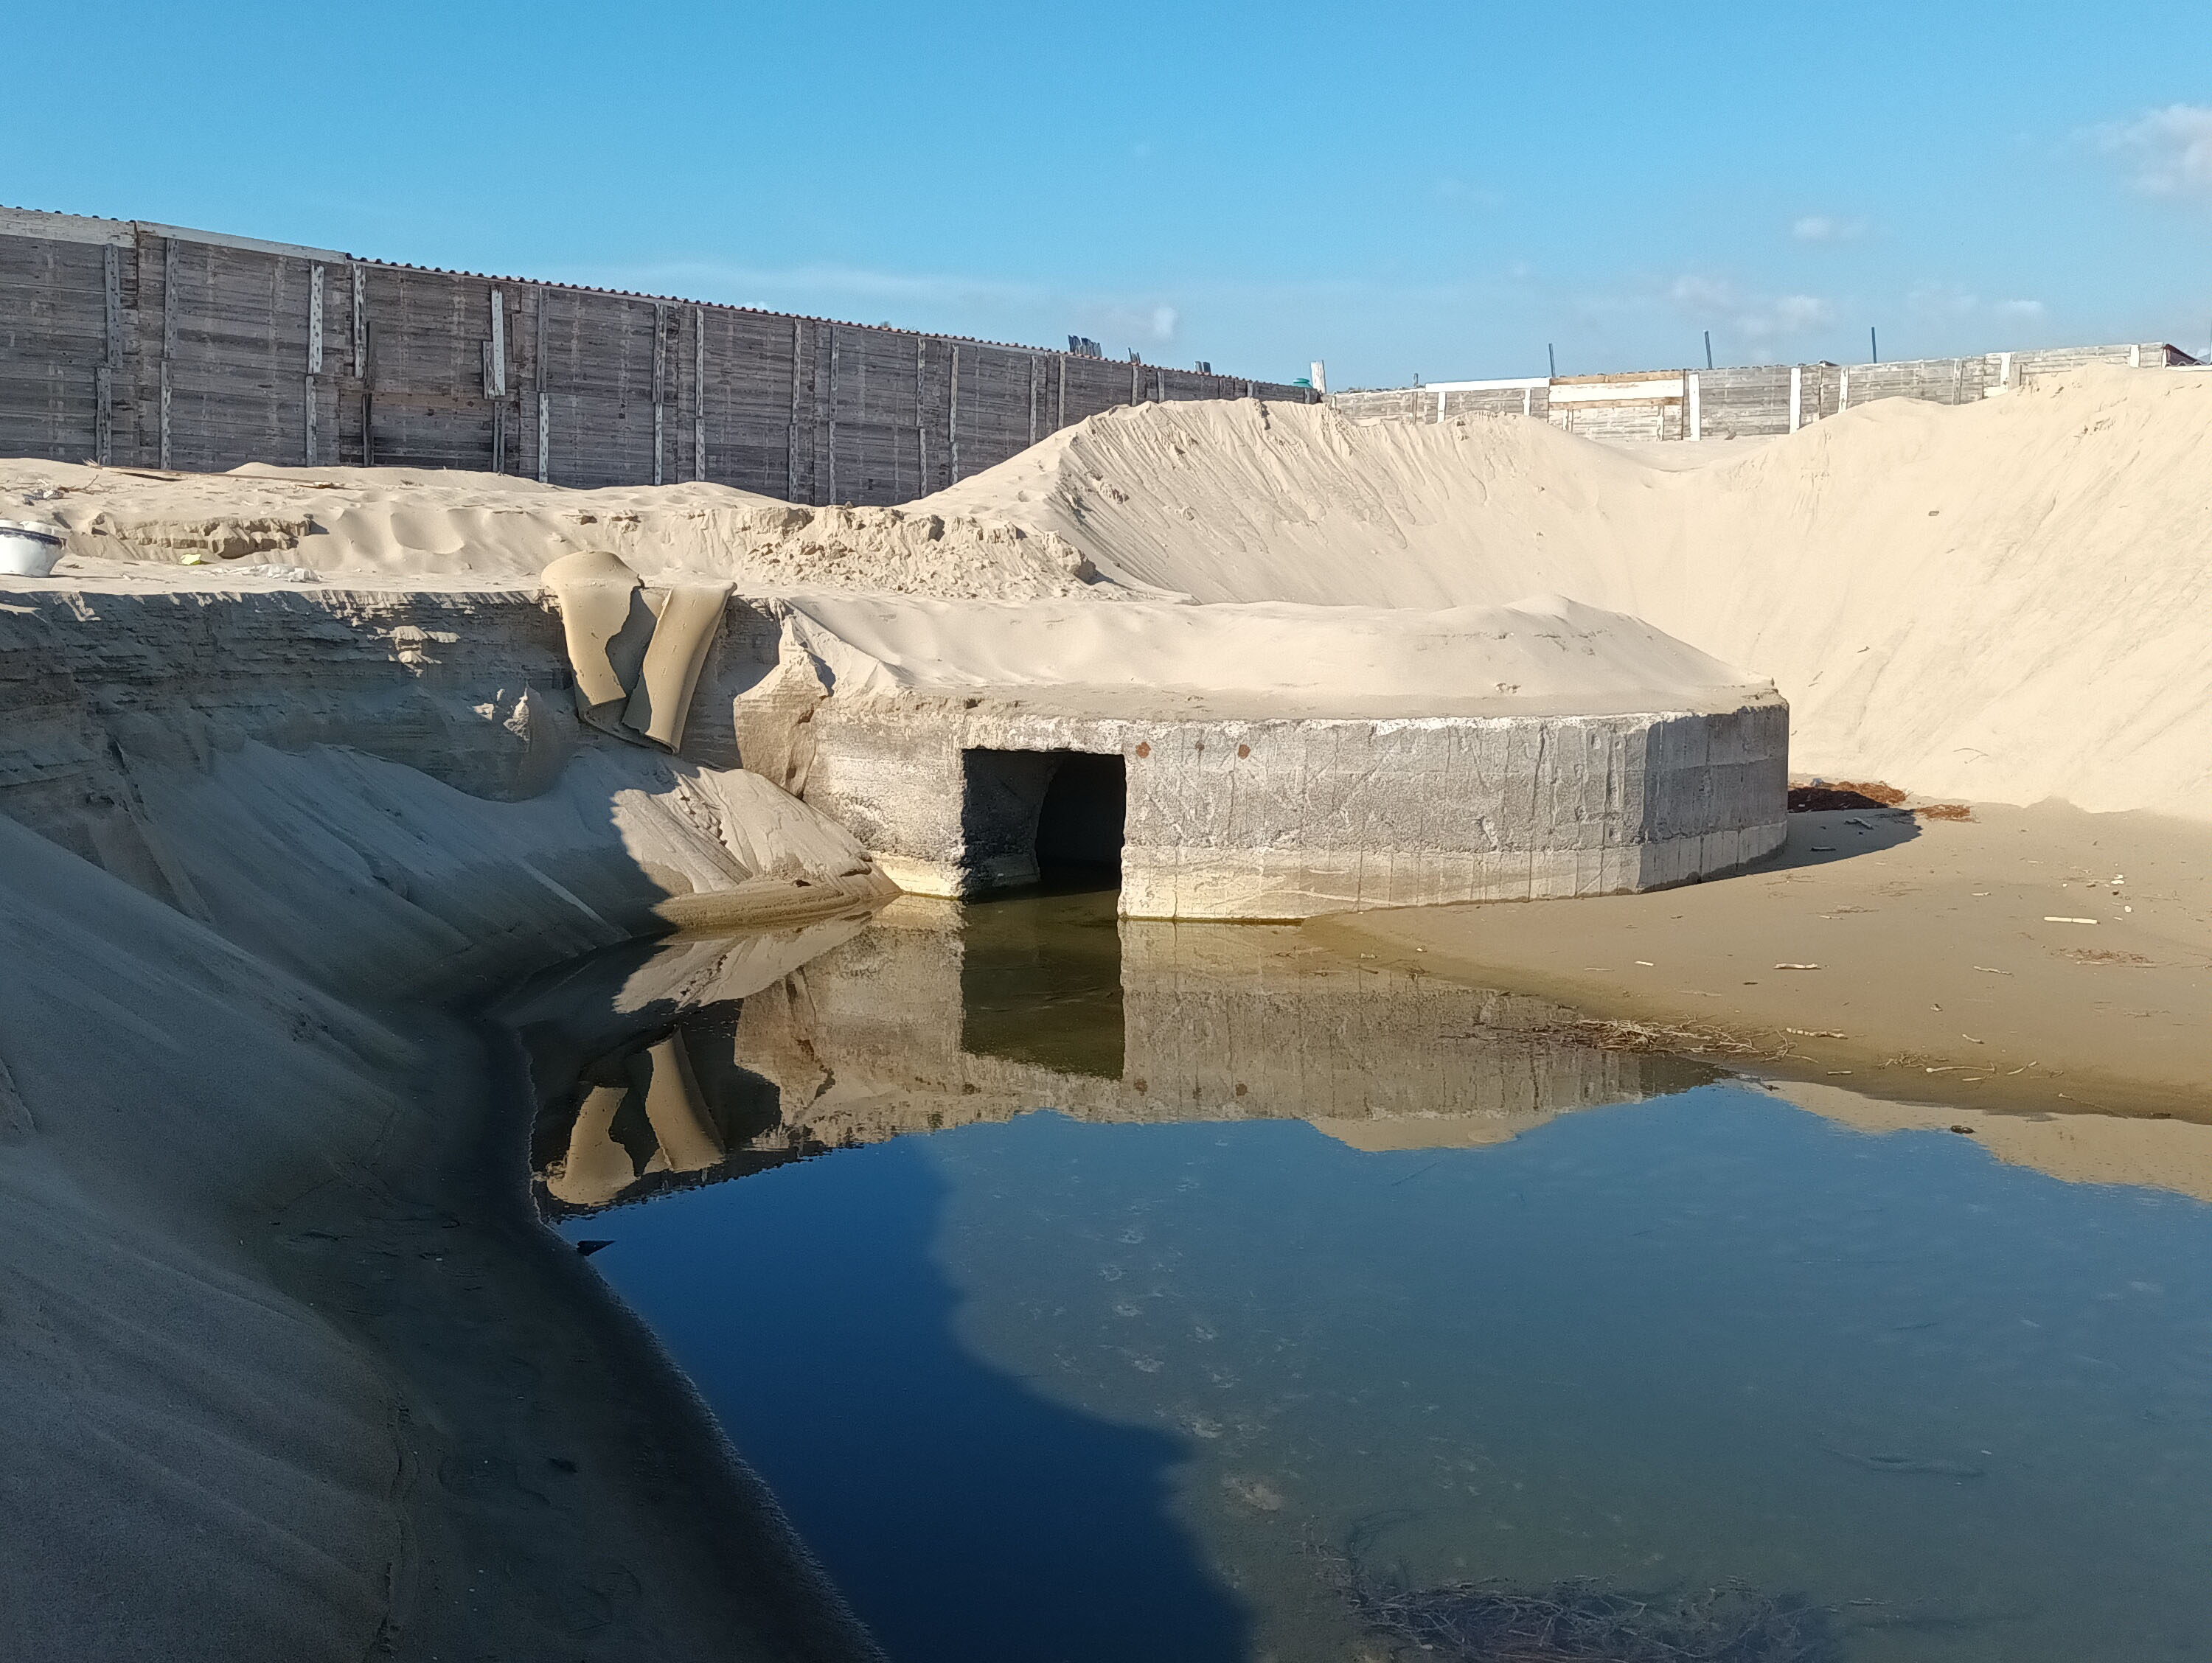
point(1399, 188)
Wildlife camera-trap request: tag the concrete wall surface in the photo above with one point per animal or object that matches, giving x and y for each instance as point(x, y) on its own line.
point(155, 346)
point(1284, 819)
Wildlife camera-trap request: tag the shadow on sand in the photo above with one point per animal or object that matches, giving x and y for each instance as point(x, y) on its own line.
point(1820, 838)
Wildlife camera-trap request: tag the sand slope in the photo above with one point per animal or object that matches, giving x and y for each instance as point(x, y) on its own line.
point(268, 1399)
point(2004, 602)
point(1544, 655)
point(429, 528)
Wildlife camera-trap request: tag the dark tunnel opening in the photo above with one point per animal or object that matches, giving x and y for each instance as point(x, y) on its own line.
point(1081, 822)
point(1050, 816)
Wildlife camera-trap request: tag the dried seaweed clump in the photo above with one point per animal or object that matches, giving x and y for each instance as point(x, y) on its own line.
point(1829, 795)
point(1650, 1038)
point(1585, 1621)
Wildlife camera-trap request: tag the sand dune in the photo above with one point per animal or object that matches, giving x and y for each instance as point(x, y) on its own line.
point(427, 528)
point(2004, 602)
point(1547, 655)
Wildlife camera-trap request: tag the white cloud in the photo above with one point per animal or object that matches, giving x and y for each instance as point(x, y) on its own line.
point(1756, 319)
point(1945, 300)
point(774, 286)
point(1471, 196)
point(918, 300)
point(1825, 227)
point(1937, 300)
point(1793, 314)
point(2169, 150)
point(1692, 292)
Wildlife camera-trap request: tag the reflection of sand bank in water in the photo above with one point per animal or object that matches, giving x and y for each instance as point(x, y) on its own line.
point(2082, 1149)
point(662, 1067)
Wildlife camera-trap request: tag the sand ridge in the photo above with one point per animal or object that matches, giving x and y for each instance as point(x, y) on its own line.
point(431, 528)
point(1543, 655)
point(2005, 602)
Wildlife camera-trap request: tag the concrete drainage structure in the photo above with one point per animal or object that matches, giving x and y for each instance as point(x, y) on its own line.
point(1228, 762)
point(1291, 818)
point(1568, 776)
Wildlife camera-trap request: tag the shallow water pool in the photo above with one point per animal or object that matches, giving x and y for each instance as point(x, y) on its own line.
point(1309, 1283)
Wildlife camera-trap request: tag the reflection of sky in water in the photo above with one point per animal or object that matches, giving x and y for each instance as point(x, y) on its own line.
point(1046, 1390)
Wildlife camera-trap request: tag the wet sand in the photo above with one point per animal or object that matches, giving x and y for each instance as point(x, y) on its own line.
point(1900, 958)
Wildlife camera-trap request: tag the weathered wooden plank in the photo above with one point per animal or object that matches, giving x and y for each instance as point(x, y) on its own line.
point(241, 319)
point(168, 341)
point(698, 392)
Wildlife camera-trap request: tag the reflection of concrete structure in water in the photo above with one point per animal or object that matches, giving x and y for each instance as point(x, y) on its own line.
point(703, 1060)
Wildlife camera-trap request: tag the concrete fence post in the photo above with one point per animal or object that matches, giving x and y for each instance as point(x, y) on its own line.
point(698, 392)
point(544, 392)
point(790, 428)
point(659, 385)
point(169, 331)
point(920, 429)
point(1796, 396)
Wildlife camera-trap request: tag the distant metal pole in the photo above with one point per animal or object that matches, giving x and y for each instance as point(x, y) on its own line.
point(1709, 348)
point(1873, 345)
point(1552, 358)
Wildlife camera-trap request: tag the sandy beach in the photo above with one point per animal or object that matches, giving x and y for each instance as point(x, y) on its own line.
point(2026, 964)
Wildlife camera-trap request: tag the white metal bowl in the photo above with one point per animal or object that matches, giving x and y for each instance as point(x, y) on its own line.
point(28, 550)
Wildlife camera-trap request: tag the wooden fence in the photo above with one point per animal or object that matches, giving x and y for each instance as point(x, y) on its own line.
point(141, 345)
point(1736, 402)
